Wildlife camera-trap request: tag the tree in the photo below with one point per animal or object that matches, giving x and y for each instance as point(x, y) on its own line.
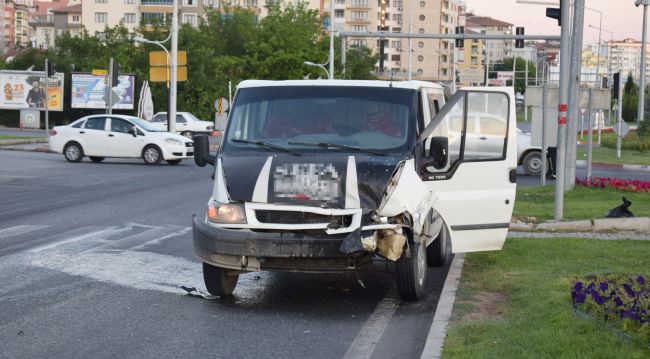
point(360, 63)
point(630, 99)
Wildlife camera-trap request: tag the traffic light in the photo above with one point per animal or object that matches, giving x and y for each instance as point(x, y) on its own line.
point(519, 44)
point(51, 70)
point(555, 13)
point(615, 85)
point(115, 73)
point(460, 43)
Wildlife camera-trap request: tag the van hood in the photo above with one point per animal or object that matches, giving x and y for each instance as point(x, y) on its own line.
point(335, 180)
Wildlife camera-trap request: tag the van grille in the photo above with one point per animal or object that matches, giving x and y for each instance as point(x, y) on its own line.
point(294, 217)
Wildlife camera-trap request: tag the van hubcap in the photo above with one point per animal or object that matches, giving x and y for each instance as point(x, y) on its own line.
point(421, 264)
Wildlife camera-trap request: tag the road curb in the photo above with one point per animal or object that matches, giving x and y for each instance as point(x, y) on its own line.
point(438, 330)
point(21, 141)
point(614, 166)
point(600, 225)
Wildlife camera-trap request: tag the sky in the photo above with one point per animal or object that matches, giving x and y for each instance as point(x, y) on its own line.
point(619, 16)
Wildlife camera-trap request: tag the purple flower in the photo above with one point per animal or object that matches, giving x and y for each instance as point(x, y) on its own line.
point(628, 290)
point(618, 301)
point(578, 286)
point(625, 314)
point(597, 298)
point(579, 297)
point(604, 287)
point(640, 279)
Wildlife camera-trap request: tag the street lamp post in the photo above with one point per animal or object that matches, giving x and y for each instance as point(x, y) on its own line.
point(322, 66)
point(160, 44)
point(643, 55)
point(600, 32)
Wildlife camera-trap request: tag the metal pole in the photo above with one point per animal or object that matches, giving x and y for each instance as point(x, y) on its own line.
point(562, 110)
point(487, 64)
point(47, 102)
point(525, 87)
point(330, 74)
point(343, 42)
point(453, 75)
point(574, 94)
point(544, 151)
point(174, 69)
point(590, 135)
point(642, 72)
point(600, 32)
point(582, 126)
point(601, 118)
point(619, 123)
point(514, 71)
point(410, 42)
point(109, 108)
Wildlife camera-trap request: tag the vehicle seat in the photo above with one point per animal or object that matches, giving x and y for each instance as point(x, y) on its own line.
point(280, 125)
point(319, 122)
point(385, 123)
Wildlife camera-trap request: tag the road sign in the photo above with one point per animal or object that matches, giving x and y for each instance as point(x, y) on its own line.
point(159, 58)
point(221, 105)
point(160, 74)
point(624, 129)
point(98, 72)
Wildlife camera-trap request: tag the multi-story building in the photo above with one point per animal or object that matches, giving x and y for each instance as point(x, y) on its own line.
point(15, 23)
point(625, 56)
point(495, 50)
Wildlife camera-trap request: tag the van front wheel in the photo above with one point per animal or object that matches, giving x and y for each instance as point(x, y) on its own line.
point(411, 271)
point(218, 281)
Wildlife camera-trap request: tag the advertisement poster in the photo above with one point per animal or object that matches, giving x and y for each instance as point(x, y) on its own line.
point(23, 89)
point(88, 91)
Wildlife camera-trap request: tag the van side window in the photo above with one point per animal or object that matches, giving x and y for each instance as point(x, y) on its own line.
point(488, 114)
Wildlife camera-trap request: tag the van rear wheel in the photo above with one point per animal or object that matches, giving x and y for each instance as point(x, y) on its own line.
point(411, 271)
point(218, 281)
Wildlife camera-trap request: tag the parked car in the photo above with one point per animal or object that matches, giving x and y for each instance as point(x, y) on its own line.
point(101, 136)
point(331, 176)
point(186, 124)
point(529, 156)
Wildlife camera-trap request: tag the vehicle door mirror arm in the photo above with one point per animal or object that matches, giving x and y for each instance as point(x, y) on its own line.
point(438, 152)
point(202, 154)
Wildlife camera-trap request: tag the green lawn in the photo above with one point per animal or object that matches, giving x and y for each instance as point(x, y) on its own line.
point(580, 203)
point(6, 137)
point(604, 154)
point(516, 303)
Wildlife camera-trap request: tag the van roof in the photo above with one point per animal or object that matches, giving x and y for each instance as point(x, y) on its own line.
point(356, 83)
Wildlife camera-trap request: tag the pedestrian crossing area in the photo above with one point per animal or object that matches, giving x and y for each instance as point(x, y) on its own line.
point(133, 255)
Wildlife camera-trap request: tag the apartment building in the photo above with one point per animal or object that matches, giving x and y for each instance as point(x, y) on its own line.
point(496, 50)
point(15, 23)
point(43, 21)
point(625, 56)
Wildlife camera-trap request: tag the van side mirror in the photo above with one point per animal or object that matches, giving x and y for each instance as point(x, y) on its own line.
point(202, 154)
point(438, 152)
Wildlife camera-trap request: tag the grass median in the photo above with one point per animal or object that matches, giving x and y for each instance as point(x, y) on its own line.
point(516, 303)
point(580, 203)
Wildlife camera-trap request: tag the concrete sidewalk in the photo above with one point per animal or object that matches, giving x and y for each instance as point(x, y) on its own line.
point(614, 166)
point(604, 225)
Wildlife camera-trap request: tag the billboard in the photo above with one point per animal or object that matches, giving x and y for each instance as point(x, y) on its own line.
point(26, 89)
point(88, 91)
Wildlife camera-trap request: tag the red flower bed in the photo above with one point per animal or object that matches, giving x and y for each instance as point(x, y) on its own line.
point(615, 183)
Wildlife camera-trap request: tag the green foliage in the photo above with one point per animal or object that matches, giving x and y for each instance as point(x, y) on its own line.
point(520, 76)
point(643, 131)
point(630, 99)
point(223, 48)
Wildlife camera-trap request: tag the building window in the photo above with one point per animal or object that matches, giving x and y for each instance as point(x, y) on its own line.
point(422, 17)
point(398, 18)
point(359, 15)
point(129, 1)
point(129, 18)
point(421, 31)
point(420, 44)
point(211, 3)
point(396, 44)
point(398, 4)
point(189, 2)
point(153, 17)
point(76, 18)
point(420, 58)
point(358, 42)
point(359, 3)
point(339, 13)
point(419, 72)
point(101, 1)
point(189, 19)
point(359, 28)
point(397, 29)
point(101, 17)
point(394, 57)
point(423, 3)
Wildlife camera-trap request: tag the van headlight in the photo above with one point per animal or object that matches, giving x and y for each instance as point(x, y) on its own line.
point(227, 213)
point(173, 141)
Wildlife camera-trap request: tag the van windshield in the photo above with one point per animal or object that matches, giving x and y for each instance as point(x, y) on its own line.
point(369, 118)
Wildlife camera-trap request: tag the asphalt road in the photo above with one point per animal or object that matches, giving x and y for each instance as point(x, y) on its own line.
point(8, 131)
point(92, 257)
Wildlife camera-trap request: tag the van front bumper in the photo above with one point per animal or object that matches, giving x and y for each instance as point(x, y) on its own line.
point(246, 250)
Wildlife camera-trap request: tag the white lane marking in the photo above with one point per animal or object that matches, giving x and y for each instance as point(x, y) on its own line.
point(163, 238)
point(21, 229)
point(137, 240)
point(92, 232)
point(139, 270)
point(366, 341)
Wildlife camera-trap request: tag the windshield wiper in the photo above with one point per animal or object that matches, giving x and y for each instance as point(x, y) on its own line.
point(267, 145)
point(338, 146)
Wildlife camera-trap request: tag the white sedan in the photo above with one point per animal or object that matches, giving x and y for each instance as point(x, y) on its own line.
point(101, 136)
point(186, 124)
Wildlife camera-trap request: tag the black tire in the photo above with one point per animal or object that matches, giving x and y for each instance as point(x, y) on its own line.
point(152, 155)
point(411, 271)
point(187, 134)
point(96, 159)
point(438, 251)
point(217, 280)
point(532, 163)
point(174, 162)
point(73, 152)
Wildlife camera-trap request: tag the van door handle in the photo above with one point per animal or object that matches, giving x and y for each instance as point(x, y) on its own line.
point(82, 132)
point(513, 175)
point(482, 138)
point(110, 135)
